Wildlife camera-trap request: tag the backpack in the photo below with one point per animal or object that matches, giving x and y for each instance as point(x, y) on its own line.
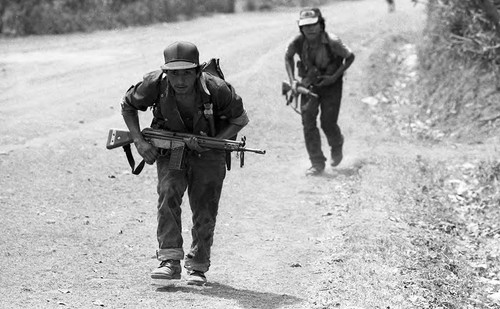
point(212, 67)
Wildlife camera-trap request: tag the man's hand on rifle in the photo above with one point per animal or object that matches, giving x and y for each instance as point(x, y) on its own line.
point(192, 143)
point(326, 80)
point(294, 84)
point(147, 151)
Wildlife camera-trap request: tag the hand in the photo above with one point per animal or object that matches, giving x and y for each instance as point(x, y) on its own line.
point(326, 80)
point(294, 86)
point(193, 144)
point(147, 151)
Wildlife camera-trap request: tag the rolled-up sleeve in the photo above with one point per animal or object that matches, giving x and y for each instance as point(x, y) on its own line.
point(142, 95)
point(241, 121)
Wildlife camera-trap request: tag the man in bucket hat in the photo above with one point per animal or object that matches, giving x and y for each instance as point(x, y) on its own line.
point(323, 59)
point(179, 95)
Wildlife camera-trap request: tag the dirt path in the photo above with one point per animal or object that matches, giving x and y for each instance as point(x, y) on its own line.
point(78, 230)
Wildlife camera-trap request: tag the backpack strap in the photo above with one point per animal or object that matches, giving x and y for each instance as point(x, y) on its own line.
point(155, 108)
point(208, 105)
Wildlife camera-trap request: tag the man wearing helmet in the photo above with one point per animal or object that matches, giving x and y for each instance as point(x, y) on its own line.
point(323, 60)
point(185, 99)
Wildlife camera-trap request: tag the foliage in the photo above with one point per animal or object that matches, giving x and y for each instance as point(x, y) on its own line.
point(36, 17)
point(462, 29)
point(458, 82)
point(27, 17)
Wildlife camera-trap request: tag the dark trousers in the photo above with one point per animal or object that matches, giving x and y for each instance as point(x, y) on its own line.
point(329, 105)
point(203, 179)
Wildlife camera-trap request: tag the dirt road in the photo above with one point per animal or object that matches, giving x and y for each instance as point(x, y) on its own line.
point(78, 230)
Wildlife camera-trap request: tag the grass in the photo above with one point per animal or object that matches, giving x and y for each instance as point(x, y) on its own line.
point(451, 206)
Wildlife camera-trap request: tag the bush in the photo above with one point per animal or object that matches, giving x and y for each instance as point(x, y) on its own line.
point(459, 70)
point(27, 17)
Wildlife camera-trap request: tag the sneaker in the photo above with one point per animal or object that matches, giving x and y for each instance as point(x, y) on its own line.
point(168, 270)
point(314, 170)
point(196, 277)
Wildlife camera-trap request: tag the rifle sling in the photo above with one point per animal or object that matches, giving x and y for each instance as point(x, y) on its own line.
point(131, 161)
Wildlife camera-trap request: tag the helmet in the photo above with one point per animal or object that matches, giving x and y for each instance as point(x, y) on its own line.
point(181, 56)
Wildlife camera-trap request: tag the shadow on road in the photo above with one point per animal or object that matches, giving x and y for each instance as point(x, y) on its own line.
point(245, 298)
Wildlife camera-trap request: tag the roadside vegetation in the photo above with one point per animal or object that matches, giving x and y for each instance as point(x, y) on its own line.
point(39, 17)
point(460, 65)
point(442, 88)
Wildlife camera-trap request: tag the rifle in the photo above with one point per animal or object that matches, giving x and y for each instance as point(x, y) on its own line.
point(176, 143)
point(286, 90)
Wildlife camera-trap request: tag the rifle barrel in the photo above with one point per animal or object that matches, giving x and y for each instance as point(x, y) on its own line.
point(259, 151)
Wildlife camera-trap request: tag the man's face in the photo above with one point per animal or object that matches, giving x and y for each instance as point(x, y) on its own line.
point(183, 81)
point(311, 31)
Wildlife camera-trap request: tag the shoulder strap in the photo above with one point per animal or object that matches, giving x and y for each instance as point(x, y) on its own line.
point(163, 86)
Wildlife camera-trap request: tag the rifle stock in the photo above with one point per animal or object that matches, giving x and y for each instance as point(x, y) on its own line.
point(286, 88)
point(118, 138)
